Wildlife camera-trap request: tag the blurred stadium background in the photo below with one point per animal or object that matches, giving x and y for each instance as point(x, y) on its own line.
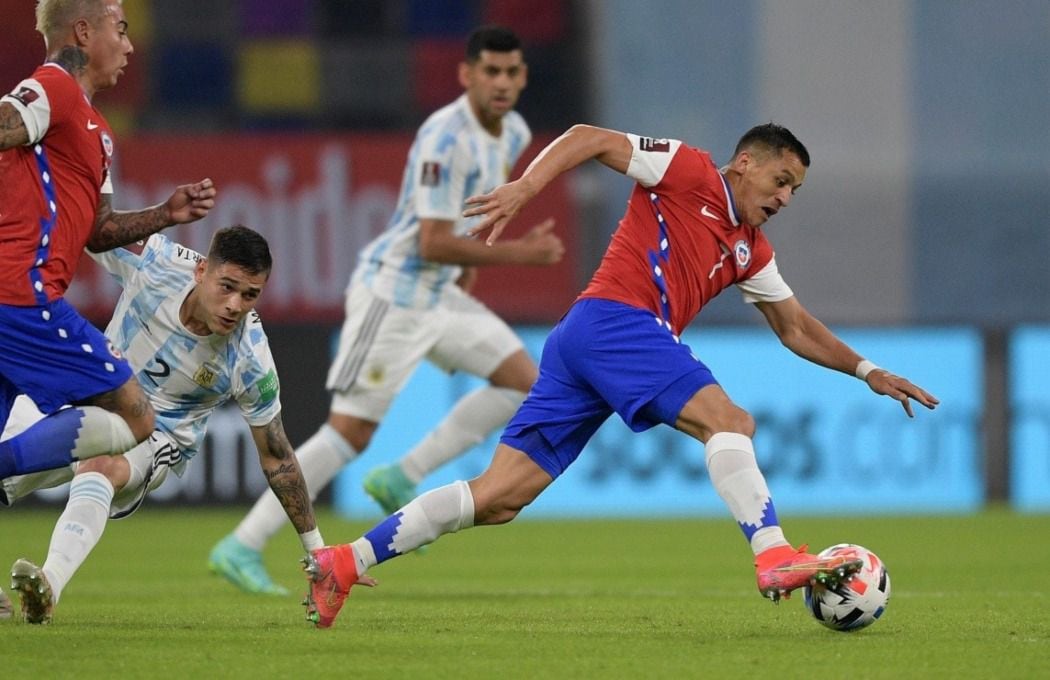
point(921, 233)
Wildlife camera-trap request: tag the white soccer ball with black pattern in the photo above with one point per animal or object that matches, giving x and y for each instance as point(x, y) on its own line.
point(857, 601)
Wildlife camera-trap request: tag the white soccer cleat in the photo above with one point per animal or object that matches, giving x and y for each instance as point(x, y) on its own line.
point(31, 584)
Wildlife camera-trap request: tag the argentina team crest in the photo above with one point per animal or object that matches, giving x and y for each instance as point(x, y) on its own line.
point(206, 376)
point(742, 253)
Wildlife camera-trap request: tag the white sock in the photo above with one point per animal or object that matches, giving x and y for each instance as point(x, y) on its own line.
point(321, 457)
point(102, 432)
point(444, 510)
point(735, 475)
point(471, 420)
point(78, 529)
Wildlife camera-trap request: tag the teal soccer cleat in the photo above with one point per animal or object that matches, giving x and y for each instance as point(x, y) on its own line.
point(389, 487)
point(243, 567)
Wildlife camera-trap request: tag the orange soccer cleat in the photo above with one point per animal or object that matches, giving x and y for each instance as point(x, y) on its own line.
point(783, 569)
point(332, 572)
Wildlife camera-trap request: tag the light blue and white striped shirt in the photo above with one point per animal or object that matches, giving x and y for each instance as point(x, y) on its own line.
point(185, 376)
point(452, 158)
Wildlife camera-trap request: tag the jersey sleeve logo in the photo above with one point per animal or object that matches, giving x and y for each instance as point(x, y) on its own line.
point(25, 95)
point(107, 144)
point(268, 387)
point(653, 144)
point(742, 252)
point(430, 174)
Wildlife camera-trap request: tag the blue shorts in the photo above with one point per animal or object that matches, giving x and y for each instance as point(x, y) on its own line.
point(603, 357)
point(53, 355)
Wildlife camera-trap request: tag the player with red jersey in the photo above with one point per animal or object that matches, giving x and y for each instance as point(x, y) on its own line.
point(55, 200)
point(690, 231)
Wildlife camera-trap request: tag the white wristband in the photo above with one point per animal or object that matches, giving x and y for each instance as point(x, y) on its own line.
point(312, 540)
point(864, 368)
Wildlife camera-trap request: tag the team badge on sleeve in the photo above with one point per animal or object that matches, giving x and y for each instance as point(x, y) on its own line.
point(26, 95)
point(742, 252)
point(430, 174)
point(653, 144)
point(268, 387)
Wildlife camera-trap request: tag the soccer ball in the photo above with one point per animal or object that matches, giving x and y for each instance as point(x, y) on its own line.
point(858, 600)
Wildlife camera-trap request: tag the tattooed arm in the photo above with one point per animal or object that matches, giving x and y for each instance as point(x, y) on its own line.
point(13, 130)
point(282, 471)
point(115, 228)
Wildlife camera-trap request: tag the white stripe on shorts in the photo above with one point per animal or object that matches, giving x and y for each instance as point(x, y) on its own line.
point(362, 343)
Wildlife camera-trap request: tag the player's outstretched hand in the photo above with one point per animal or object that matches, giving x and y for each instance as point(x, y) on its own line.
point(882, 381)
point(498, 206)
point(191, 202)
point(543, 246)
point(366, 580)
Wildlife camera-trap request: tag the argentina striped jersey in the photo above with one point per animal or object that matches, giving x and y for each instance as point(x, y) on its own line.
point(185, 376)
point(452, 158)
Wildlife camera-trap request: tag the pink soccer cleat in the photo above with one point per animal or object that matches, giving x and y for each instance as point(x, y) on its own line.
point(783, 569)
point(332, 572)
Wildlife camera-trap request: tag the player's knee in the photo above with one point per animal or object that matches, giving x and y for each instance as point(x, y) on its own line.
point(517, 372)
point(734, 419)
point(499, 508)
point(496, 513)
point(357, 432)
point(113, 468)
point(743, 423)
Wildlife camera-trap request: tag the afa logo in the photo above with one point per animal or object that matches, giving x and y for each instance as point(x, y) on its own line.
point(206, 376)
point(742, 253)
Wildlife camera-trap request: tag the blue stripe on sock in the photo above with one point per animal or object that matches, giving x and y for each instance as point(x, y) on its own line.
point(92, 490)
point(381, 536)
point(769, 519)
point(46, 445)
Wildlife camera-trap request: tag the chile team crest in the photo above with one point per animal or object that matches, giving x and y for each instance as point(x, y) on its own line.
point(107, 144)
point(742, 253)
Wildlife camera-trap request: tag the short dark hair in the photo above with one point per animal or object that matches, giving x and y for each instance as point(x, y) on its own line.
point(773, 137)
point(243, 247)
point(492, 38)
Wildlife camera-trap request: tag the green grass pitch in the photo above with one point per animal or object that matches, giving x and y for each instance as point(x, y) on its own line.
point(542, 599)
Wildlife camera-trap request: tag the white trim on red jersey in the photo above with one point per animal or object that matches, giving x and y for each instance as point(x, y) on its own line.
point(650, 158)
point(765, 286)
point(36, 114)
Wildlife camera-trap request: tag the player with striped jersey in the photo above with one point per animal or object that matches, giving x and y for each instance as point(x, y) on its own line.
point(55, 199)
point(691, 230)
point(186, 324)
point(408, 300)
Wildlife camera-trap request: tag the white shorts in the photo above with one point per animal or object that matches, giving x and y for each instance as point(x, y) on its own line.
point(381, 344)
point(150, 463)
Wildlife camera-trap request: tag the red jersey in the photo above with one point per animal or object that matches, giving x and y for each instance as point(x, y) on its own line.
point(50, 188)
point(681, 242)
